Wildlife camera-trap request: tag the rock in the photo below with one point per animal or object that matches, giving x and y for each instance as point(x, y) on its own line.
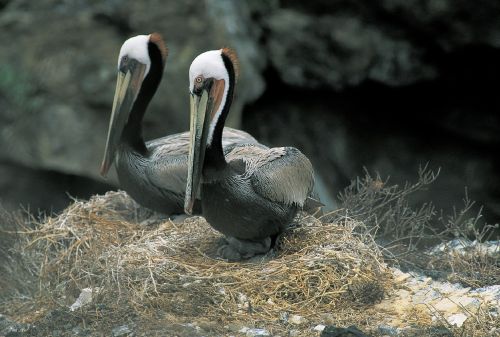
point(333, 331)
point(20, 185)
point(387, 330)
point(80, 331)
point(338, 45)
point(464, 247)
point(319, 327)
point(489, 293)
point(10, 328)
point(251, 332)
point(360, 125)
point(122, 330)
point(57, 80)
point(457, 319)
point(426, 301)
point(340, 49)
point(85, 298)
point(297, 320)
point(257, 332)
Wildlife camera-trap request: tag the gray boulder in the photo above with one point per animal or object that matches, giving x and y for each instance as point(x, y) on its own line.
point(342, 43)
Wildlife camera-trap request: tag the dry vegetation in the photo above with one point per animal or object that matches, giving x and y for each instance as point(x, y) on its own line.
point(327, 270)
point(404, 232)
point(319, 267)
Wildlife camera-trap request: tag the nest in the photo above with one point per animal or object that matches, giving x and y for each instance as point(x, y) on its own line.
point(316, 269)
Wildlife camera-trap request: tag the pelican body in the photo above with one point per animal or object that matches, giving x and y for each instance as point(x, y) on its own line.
point(153, 173)
point(252, 192)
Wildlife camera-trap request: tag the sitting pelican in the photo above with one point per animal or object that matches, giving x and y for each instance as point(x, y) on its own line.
point(251, 193)
point(153, 173)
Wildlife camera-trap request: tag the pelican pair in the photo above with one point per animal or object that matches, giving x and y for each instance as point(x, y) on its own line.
point(245, 190)
point(153, 173)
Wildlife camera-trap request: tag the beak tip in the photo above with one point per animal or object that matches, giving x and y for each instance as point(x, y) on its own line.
point(104, 170)
point(188, 207)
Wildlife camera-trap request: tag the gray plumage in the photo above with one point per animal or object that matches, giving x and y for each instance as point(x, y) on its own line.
point(256, 196)
point(250, 193)
point(157, 180)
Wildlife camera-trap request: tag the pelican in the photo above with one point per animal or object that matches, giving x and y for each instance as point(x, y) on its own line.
point(251, 193)
point(153, 173)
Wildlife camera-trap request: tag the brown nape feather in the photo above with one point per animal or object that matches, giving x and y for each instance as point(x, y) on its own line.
point(157, 39)
point(234, 59)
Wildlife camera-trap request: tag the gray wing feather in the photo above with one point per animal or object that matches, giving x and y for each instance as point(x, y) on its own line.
point(169, 156)
point(281, 174)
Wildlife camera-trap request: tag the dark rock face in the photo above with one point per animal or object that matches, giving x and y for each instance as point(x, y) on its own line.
point(449, 125)
point(388, 85)
point(343, 43)
point(42, 190)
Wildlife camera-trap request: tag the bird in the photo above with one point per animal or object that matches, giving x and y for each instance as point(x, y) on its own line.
point(153, 173)
point(251, 193)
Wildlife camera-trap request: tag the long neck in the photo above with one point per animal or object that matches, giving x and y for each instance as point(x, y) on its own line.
point(214, 155)
point(132, 132)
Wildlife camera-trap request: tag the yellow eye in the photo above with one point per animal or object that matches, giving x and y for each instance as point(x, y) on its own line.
point(199, 79)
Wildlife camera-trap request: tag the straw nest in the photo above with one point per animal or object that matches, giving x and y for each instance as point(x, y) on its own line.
point(316, 269)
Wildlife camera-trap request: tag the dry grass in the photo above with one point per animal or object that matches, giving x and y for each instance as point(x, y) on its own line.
point(473, 269)
point(319, 268)
point(405, 231)
point(328, 271)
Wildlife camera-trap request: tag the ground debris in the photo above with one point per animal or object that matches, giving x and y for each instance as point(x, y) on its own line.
point(85, 298)
point(168, 275)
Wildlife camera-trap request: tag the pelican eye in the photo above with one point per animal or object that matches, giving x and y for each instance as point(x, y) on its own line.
point(198, 84)
point(125, 58)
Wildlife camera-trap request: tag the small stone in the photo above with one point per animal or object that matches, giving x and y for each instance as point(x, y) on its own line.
point(319, 327)
point(77, 331)
point(84, 298)
point(489, 293)
point(293, 333)
point(284, 316)
point(387, 330)
point(122, 330)
point(297, 320)
point(257, 332)
point(446, 305)
point(242, 298)
point(457, 319)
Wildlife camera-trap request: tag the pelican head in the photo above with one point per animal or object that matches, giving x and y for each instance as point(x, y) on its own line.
point(212, 77)
point(137, 55)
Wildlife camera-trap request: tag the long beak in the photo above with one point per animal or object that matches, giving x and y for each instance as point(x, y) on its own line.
point(197, 146)
point(127, 88)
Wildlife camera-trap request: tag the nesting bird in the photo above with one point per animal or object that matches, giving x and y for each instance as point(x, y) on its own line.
point(250, 193)
point(154, 172)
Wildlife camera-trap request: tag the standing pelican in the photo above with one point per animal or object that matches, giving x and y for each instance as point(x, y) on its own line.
point(251, 193)
point(153, 173)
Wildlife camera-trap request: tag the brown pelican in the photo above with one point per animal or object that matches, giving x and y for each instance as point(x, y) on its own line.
point(153, 173)
point(251, 193)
